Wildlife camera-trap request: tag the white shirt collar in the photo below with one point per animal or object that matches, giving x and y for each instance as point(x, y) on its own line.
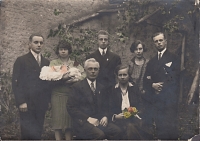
point(89, 82)
point(35, 54)
point(125, 101)
point(129, 84)
point(101, 50)
point(162, 52)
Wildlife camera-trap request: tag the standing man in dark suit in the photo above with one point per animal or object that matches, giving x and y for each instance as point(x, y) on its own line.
point(161, 83)
point(32, 94)
point(108, 60)
point(87, 107)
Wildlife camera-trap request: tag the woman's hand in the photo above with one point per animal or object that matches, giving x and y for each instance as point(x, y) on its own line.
point(66, 76)
point(119, 116)
point(72, 80)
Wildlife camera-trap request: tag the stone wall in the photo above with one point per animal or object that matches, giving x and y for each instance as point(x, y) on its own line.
point(20, 18)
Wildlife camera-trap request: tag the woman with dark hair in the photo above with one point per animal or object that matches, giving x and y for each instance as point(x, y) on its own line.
point(138, 64)
point(61, 120)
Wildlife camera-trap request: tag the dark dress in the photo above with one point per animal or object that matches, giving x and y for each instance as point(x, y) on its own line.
point(59, 97)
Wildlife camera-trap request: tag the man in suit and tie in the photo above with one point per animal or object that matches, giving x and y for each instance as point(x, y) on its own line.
point(161, 82)
point(108, 60)
point(87, 107)
point(32, 94)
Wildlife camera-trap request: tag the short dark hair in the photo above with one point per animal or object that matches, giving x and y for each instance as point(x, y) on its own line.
point(63, 44)
point(158, 33)
point(35, 34)
point(120, 67)
point(135, 44)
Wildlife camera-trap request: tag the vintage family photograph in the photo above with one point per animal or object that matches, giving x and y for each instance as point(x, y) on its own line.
point(99, 70)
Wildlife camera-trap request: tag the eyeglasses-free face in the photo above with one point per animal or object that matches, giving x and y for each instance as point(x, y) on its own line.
point(36, 44)
point(103, 41)
point(160, 42)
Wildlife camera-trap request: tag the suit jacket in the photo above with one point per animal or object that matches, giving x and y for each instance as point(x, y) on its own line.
point(81, 104)
point(108, 63)
point(166, 70)
point(27, 86)
point(116, 99)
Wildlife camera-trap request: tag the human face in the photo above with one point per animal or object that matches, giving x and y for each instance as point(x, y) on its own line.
point(103, 41)
point(160, 42)
point(123, 76)
point(63, 52)
point(139, 51)
point(36, 44)
point(92, 70)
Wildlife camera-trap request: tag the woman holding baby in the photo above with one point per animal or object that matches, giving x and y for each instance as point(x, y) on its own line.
point(61, 121)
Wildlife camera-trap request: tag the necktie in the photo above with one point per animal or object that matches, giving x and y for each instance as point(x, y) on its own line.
point(92, 88)
point(103, 53)
point(159, 56)
point(38, 60)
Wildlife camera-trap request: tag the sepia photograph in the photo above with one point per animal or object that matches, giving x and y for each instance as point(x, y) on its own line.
point(99, 70)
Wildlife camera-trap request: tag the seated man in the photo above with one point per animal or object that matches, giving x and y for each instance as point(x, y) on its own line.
point(87, 106)
point(124, 95)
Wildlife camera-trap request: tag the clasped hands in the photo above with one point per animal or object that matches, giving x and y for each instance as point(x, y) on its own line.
point(23, 107)
point(158, 86)
point(95, 122)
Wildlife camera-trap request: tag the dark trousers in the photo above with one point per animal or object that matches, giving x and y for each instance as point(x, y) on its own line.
point(134, 129)
point(166, 124)
point(31, 123)
point(89, 131)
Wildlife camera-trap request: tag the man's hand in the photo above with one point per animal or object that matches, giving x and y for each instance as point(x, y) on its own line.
point(119, 116)
point(23, 107)
point(158, 86)
point(49, 106)
point(93, 121)
point(104, 121)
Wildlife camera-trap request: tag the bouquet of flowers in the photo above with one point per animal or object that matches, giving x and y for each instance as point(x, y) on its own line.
point(130, 112)
point(55, 73)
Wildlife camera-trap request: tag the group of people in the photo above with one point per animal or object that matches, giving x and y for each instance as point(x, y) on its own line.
point(91, 107)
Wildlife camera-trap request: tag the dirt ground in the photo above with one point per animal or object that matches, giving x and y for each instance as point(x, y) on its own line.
point(188, 125)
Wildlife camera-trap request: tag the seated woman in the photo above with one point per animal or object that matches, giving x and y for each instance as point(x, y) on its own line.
point(125, 95)
point(138, 64)
point(61, 121)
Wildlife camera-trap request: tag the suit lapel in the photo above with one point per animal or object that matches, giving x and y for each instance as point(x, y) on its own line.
point(87, 91)
point(98, 93)
point(42, 61)
point(108, 57)
point(162, 61)
point(118, 96)
point(32, 61)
